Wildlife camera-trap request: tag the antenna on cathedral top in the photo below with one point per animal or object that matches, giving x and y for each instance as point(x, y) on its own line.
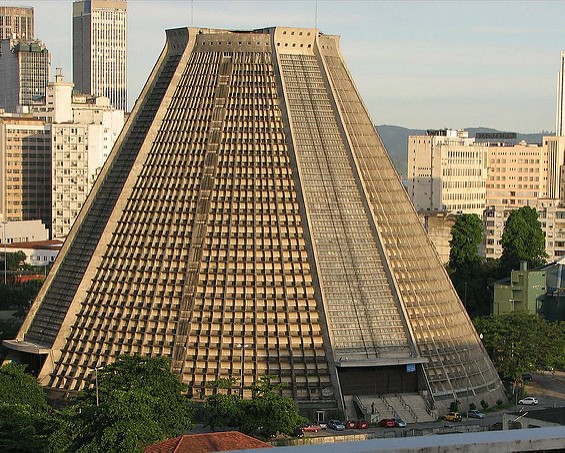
point(316, 17)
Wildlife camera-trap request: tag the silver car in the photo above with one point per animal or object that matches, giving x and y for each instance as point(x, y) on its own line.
point(336, 424)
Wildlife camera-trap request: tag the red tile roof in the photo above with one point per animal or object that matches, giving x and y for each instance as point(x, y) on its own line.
point(209, 442)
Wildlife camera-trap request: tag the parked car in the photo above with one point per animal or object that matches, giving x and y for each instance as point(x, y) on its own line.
point(298, 432)
point(527, 377)
point(323, 425)
point(474, 413)
point(453, 417)
point(350, 424)
point(387, 423)
point(336, 424)
point(398, 422)
point(311, 428)
point(361, 424)
point(528, 401)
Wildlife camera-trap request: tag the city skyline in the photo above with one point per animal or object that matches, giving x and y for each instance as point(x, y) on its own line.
point(417, 64)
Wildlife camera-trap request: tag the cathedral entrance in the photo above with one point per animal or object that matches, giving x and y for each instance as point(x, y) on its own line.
point(378, 380)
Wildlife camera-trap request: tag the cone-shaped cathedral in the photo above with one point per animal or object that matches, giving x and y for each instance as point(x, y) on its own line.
point(249, 222)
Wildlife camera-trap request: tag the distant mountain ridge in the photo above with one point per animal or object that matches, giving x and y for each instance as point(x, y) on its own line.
point(395, 139)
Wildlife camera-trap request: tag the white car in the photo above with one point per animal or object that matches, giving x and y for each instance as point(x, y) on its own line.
point(529, 401)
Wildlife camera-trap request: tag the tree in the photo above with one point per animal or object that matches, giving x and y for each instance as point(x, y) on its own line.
point(223, 409)
point(25, 422)
point(269, 414)
point(23, 429)
point(137, 401)
point(522, 240)
point(466, 268)
point(466, 238)
point(519, 342)
point(19, 387)
point(264, 415)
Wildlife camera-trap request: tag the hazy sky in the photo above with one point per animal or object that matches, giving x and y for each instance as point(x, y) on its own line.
point(418, 64)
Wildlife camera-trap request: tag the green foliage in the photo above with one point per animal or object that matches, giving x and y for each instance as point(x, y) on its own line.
point(264, 415)
point(18, 297)
point(472, 406)
point(23, 429)
point(522, 240)
point(484, 405)
point(266, 386)
point(223, 410)
point(25, 423)
point(466, 238)
point(499, 403)
point(518, 342)
point(140, 402)
point(18, 387)
point(454, 406)
point(469, 273)
point(16, 260)
point(269, 414)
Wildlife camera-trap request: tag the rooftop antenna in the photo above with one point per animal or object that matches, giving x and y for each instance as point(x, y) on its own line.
point(316, 16)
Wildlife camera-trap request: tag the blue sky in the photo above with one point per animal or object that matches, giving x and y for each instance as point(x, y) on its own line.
point(418, 64)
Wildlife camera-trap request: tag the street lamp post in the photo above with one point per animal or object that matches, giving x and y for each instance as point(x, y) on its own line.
point(467, 395)
point(241, 376)
point(96, 383)
point(5, 249)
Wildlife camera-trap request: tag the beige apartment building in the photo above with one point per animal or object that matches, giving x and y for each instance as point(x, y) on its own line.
point(25, 171)
point(447, 172)
point(523, 175)
point(445, 166)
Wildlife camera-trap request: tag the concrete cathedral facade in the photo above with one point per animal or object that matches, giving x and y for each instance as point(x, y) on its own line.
point(249, 221)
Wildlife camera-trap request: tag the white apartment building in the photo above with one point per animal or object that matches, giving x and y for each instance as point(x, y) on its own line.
point(84, 129)
point(447, 172)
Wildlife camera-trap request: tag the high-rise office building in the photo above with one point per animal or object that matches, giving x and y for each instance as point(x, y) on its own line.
point(100, 49)
point(560, 117)
point(16, 22)
point(249, 222)
point(24, 72)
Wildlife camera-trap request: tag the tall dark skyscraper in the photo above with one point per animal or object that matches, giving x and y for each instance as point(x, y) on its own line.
point(100, 49)
point(249, 222)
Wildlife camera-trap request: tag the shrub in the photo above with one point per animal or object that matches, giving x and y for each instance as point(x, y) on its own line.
point(484, 404)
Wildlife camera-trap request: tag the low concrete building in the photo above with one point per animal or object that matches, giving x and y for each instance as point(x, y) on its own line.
point(542, 418)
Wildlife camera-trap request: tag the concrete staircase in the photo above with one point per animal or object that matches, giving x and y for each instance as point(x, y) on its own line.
point(411, 407)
